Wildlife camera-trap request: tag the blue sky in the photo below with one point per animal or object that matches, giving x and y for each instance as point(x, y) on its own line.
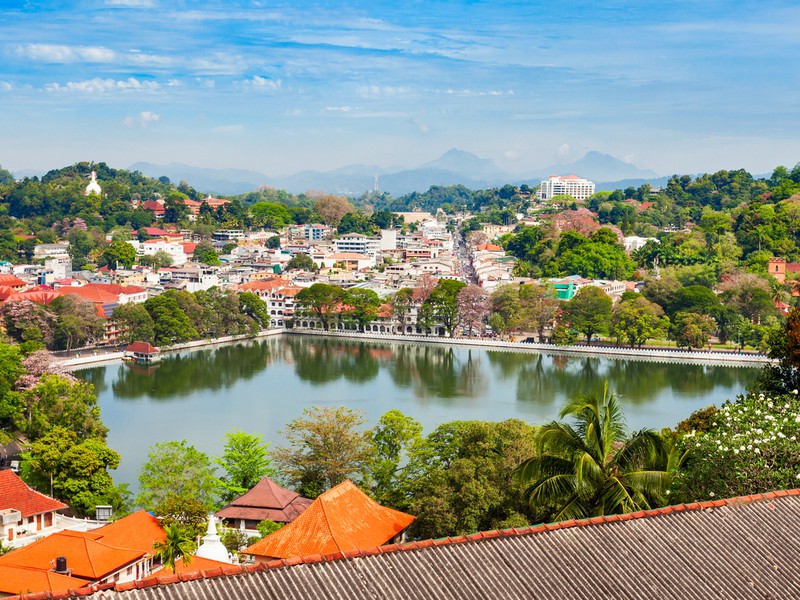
point(675, 87)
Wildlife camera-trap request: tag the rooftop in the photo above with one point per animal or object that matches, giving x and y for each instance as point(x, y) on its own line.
point(16, 494)
point(737, 548)
point(267, 500)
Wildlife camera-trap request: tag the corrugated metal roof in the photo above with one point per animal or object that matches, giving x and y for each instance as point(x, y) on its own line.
point(740, 548)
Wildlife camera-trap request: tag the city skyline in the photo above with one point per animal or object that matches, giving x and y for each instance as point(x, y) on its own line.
point(278, 88)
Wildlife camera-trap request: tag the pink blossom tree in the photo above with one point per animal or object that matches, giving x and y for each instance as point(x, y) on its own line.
point(473, 305)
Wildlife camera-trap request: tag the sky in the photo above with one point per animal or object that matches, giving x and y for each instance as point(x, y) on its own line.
point(671, 86)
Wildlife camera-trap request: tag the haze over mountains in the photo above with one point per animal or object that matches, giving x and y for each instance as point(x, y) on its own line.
point(452, 168)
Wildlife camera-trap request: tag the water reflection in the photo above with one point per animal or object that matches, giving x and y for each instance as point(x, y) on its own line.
point(426, 370)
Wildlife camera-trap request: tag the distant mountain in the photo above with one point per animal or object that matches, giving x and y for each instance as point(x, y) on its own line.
point(210, 181)
point(454, 167)
point(466, 163)
point(610, 186)
point(597, 166)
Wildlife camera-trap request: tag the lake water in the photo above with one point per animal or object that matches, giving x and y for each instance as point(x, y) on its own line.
point(259, 386)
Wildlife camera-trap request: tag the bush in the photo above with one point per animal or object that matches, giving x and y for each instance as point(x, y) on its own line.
point(751, 447)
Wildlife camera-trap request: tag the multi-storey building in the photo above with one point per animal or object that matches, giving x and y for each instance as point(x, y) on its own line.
point(571, 185)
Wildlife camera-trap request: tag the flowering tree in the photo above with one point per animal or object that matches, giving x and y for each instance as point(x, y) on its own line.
point(747, 447)
point(473, 305)
point(26, 321)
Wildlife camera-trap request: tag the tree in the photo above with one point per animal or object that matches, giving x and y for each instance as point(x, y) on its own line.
point(442, 306)
point(325, 446)
point(118, 254)
point(303, 262)
point(254, 307)
point(73, 471)
point(320, 300)
point(171, 325)
point(589, 311)
point(177, 544)
point(10, 370)
point(692, 330)
point(56, 401)
point(459, 479)
point(361, 305)
point(175, 468)
point(594, 468)
point(402, 301)
point(784, 346)
point(394, 437)
point(538, 307)
point(204, 253)
point(245, 461)
point(638, 320)
point(273, 242)
point(135, 323)
point(77, 322)
point(473, 306)
point(331, 209)
point(505, 306)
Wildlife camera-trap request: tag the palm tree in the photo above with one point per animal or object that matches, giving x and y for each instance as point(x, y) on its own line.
point(593, 469)
point(176, 545)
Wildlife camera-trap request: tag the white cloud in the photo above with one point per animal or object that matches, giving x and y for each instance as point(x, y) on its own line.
point(376, 91)
point(131, 3)
point(262, 84)
point(101, 86)
point(422, 127)
point(563, 150)
point(511, 155)
point(5, 86)
point(58, 53)
point(144, 119)
point(339, 108)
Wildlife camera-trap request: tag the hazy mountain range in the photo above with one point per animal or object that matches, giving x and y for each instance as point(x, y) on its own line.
point(452, 168)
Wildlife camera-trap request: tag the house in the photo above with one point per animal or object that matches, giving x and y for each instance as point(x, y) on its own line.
point(744, 548)
point(342, 519)
point(23, 580)
point(118, 552)
point(25, 514)
point(141, 352)
point(267, 500)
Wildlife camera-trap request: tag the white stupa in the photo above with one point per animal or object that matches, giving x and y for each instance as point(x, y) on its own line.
point(211, 547)
point(93, 187)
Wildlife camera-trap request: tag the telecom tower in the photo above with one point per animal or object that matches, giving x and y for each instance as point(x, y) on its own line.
point(375, 190)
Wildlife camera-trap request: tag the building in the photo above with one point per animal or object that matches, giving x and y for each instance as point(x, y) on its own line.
point(25, 514)
point(267, 500)
point(571, 185)
point(340, 520)
point(743, 548)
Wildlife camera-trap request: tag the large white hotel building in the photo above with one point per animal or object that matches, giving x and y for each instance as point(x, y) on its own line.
point(578, 188)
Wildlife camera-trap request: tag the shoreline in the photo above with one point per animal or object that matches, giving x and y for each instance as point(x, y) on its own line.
point(646, 354)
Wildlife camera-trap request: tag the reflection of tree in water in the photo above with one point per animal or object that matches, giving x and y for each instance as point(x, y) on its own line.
point(438, 371)
point(321, 361)
point(96, 376)
point(179, 375)
point(541, 379)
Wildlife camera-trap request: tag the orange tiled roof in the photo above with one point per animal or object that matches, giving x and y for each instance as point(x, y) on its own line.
point(93, 294)
point(137, 531)
point(22, 580)
point(39, 296)
point(289, 291)
point(15, 493)
point(87, 557)
point(342, 519)
point(198, 563)
point(261, 284)
point(11, 280)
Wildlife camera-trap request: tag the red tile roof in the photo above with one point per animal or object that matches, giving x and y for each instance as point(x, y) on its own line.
point(138, 531)
point(22, 580)
point(11, 280)
point(267, 500)
point(198, 563)
point(87, 558)
point(15, 493)
point(142, 348)
point(342, 519)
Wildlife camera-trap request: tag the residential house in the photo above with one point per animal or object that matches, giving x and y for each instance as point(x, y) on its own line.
point(25, 514)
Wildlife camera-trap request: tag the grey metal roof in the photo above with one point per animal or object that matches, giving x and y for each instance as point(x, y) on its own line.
point(741, 548)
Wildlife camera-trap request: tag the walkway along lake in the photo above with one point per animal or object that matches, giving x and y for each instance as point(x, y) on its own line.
point(259, 386)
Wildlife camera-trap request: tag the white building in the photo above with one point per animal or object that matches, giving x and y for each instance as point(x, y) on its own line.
point(571, 185)
point(359, 244)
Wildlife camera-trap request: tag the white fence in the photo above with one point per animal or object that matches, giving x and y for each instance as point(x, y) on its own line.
point(657, 354)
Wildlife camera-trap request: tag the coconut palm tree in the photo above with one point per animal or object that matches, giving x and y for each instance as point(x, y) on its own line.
point(593, 468)
point(176, 545)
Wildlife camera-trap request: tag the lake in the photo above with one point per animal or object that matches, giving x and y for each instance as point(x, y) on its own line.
point(259, 386)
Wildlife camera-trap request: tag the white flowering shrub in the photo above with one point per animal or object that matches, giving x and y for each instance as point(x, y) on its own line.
point(751, 446)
